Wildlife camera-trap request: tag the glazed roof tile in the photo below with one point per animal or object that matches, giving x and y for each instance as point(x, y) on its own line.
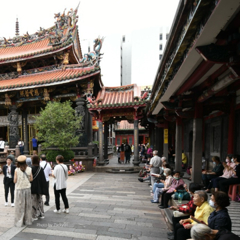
point(30, 50)
point(114, 97)
point(54, 77)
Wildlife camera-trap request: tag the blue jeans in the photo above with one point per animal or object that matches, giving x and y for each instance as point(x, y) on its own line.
point(157, 185)
point(157, 194)
point(21, 150)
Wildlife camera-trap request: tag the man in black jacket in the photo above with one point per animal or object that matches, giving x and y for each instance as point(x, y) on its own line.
point(8, 171)
point(128, 152)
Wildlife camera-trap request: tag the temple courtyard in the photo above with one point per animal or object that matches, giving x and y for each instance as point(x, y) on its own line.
point(103, 206)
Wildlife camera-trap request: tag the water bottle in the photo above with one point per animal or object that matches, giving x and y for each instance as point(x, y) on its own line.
point(180, 197)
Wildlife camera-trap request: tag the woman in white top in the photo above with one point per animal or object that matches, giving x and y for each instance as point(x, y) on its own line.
point(23, 203)
point(60, 174)
point(166, 184)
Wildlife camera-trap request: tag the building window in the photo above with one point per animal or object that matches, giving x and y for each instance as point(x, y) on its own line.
point(167, 35)
point(160, 36)
point(130, 141)
point(160, 56)
point(118, 141)
point(123, 38)
point(160, 47)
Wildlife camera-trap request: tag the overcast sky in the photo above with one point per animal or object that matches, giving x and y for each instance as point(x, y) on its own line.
point(108, 18)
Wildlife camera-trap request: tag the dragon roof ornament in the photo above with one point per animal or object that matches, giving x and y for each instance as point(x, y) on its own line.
point(94, 57)
point(61, 32)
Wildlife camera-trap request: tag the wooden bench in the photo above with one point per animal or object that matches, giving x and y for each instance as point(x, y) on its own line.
point(232, 192)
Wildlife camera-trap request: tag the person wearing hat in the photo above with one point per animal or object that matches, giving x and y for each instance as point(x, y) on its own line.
point(8, 171)
point(23, 203)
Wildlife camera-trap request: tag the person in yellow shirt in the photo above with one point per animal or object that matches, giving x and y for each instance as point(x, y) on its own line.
point(202, 212)
point(184, 160)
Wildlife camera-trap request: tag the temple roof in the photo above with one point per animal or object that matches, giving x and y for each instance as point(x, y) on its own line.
point(45, 41)
point(122, 96)
point(31, 50)
point(125, 125)
point(48, 76)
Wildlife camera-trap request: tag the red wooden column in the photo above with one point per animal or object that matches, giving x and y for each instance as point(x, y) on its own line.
point(231, 126)
point(197, 144)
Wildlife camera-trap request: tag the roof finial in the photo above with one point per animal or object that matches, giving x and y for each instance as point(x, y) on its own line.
point(17, 28)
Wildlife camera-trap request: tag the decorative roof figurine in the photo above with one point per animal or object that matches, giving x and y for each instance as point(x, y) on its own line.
point(93, 58)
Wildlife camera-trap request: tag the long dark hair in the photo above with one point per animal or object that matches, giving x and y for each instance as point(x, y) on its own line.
point(22, 166)
point(35, 160)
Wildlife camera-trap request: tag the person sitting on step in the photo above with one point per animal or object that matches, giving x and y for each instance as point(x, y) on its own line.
point(177, 183)
point(185, 210)
point(216, 171)
point(164, 184)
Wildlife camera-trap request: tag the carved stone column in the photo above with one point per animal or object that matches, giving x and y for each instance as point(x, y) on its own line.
point(25, 132)
point(100, 130)
point(105, 140)
point(80, 111)
point(136, 141)
point(13, 127)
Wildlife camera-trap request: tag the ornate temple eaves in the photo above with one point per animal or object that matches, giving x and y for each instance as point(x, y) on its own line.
point(128, 96)
point(34, 50)
point(44, 41)
point(48, 78)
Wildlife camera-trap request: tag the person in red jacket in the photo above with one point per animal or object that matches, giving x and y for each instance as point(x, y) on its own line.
point(183, 211)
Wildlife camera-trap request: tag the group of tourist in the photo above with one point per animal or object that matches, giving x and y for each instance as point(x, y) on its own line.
point(124, 152)
point(31, 183)
point(203, 217)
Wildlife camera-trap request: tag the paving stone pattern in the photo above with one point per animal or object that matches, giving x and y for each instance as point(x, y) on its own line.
point(105, 207)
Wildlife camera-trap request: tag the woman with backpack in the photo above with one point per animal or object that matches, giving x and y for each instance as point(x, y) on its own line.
point(38, 188)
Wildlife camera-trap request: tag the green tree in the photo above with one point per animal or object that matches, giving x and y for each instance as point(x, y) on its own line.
point(57, 125)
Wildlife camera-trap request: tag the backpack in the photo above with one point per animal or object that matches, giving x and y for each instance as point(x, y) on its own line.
point(142, 173)
point(186, 195)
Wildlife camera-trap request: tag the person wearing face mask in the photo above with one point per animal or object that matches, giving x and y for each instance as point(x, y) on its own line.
point(217, 171)
point(177, 183)
point(202, 212)
point(224, 185)
point(219, 219)
point(227, 173)
point(161, 176)
point(164, 185)
point(183, 211)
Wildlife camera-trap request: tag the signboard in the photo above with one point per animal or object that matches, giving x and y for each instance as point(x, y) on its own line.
point(165, 136)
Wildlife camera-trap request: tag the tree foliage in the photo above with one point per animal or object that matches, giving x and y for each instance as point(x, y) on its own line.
point(57, 125)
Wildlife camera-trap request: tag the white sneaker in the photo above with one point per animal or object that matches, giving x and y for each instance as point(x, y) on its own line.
point(65, 210)
point(57, 211)
point(34, 219)
point(42, 217)
point(12, 204)
point(6, 204)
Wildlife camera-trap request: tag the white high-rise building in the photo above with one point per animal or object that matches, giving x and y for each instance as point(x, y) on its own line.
point(141, 52)
point(126, 60)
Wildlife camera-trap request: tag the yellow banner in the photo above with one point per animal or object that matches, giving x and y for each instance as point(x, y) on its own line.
point(166, 136)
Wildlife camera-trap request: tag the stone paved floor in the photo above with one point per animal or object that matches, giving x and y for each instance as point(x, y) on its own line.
point(105, 207)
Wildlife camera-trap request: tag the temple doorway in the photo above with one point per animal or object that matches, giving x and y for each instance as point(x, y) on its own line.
point(4, 133)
